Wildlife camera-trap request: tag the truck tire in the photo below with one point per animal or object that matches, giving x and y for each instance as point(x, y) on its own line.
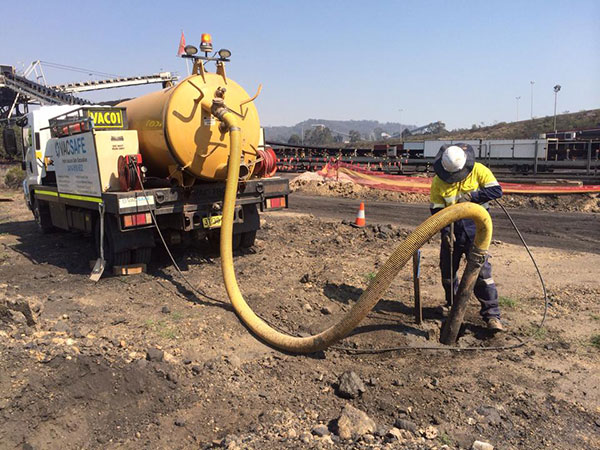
point(248, 239)
point(214, 241)
point(112, 258)
point(236, 240)
point(141, 255)
point(41, 213)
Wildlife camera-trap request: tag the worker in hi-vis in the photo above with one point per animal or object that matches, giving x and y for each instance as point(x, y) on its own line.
point(460, 179)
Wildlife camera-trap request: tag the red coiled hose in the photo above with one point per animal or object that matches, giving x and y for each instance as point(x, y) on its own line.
point(267, 166)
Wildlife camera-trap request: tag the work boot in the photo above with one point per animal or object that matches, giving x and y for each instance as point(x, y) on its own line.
point(494, 324)
point(444, 310)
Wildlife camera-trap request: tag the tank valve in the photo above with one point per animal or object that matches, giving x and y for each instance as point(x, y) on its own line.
point(220, 92)
point(218, 108)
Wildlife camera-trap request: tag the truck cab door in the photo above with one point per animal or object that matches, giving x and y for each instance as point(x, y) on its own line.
point(32, 166)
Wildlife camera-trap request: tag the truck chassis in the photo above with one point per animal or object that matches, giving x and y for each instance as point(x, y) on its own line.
point(182, 214)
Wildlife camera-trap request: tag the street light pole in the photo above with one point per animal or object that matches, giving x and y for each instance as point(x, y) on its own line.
point(556, 89)
point(518, 98)
point(532, 83)
point(400, 120)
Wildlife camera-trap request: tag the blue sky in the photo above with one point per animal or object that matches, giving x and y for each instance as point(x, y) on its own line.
point(461, 62)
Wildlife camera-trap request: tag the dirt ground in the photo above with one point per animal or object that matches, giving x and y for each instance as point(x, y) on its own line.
point(311, 183)
point(142, 362)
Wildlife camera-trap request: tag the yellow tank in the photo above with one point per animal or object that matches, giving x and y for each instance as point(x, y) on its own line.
point(180, 139)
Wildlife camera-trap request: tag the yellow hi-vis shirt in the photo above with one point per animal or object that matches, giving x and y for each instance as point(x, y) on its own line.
point(445, 194)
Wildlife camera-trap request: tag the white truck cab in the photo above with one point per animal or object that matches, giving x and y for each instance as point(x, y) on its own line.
point(36, 135)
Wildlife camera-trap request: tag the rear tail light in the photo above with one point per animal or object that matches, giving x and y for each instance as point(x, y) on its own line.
point(276, 202)
point(135, 220)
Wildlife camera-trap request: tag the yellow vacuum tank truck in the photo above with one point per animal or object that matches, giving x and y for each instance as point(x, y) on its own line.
point(154, 163)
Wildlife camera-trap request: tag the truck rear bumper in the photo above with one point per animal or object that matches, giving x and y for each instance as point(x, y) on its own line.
point(178, 208)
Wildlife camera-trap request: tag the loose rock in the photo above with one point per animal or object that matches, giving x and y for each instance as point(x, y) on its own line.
point(394, 435)
point(431, 432)
point(404, 424)
point(320, 430)
point(350, 385)
point(305, 278)
point(480, 445)
point(154, 354)
point(368, 438)
point(305, 437)
point(491, 414)
point(61, 327)
point(354, 423)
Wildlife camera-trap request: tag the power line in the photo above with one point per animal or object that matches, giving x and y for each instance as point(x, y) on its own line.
point(79, 69)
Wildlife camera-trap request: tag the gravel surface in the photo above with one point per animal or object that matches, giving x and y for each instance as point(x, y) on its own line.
point(142, 362)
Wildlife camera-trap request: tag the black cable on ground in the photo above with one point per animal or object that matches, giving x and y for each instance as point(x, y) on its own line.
point(532, 260)
point(191, 286)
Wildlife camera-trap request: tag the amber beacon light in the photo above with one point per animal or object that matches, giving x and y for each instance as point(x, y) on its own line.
point(206, 42)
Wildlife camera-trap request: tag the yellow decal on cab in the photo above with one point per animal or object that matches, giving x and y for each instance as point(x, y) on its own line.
point(107, 118)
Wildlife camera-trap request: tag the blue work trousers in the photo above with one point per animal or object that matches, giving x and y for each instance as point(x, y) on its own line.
point(485, 288)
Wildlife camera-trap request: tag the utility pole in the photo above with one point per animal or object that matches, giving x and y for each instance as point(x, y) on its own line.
point(400, 119)
point(556, 89)
point(532, 83)
point(518, 98)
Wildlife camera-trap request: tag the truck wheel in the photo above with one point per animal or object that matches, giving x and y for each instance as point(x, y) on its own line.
point(41, 213)
point(214, 242)
point(121, 258)
point(112, 258)
point(248, 239)
point(236, 240)
point(141, 255)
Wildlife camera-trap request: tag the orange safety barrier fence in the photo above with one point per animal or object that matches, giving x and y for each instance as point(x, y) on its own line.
point(400, 183)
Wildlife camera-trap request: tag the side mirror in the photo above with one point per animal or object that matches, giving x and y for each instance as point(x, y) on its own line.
point(9, 139)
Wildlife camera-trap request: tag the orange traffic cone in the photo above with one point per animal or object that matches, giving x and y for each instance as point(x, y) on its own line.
point(360, 221)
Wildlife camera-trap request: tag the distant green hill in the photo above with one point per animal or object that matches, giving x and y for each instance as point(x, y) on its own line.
point(523, 129)
point(366, 128)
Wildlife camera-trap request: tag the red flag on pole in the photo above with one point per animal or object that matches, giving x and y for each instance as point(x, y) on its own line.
point(181, 50)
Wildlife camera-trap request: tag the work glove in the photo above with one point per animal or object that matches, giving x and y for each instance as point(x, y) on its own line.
point(466, 197)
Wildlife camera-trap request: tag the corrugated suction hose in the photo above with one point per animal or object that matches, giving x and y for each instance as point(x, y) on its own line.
point(374, 291)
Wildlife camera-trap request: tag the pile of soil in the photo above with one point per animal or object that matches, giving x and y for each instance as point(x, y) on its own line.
point(313, 184)
point(589, 203)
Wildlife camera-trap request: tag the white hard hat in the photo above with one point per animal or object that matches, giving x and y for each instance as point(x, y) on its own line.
point(454, 158)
